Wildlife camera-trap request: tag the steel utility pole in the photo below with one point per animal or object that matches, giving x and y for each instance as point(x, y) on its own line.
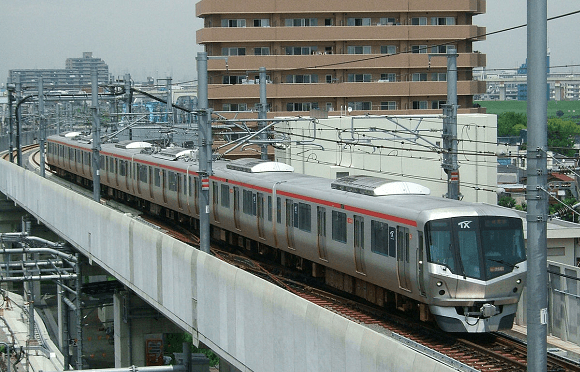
point(205, 151)
point(96, 163)
point(263, 113)
point(11, 88)
point(19, 122)
point(41, 124)
point(450, 128)
point(536, 195)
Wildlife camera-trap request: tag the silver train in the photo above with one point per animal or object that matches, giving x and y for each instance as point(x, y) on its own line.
point(463, 264)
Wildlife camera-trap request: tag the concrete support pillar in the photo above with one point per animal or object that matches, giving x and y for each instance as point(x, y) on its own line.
point(502, 91)
point(558, 89)
point(139, 331)
point(226, 367)
point(122, 334)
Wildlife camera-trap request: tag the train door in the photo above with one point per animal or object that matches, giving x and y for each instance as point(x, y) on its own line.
point(196, 194)
point(260, 215)
point(420, 264)
point(403, 258)
point(188, 192)
point(289, 223)
point(321, 229)
point(359, 236)
point(237, 207)
point(214, 201)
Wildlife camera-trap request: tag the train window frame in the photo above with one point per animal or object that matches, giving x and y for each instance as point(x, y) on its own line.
point(339, 223)
point(380, 238)
point(171, 181)
point(157, 177)
point(304, 216)
point(225, 191)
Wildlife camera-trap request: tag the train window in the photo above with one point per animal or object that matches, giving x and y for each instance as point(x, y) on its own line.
point(86, 158)
point(304, 219)
point(359, 232)
point(122, 167)
point(184, 185)
point(249, 202)
point(214, 193)
point(439, 248)
point(279, 210)
point(78, 156)
point(380, 237)
point(112, 165)
point(172, 178)
point(225, 195)
point(71, 154)
point(269, 208)
point(142, 169)
point(294, 215)
point(157, 177)
point(339, 226)
point(103, 163)
point(189, 184)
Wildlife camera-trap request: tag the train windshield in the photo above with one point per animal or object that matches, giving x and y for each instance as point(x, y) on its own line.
point(476, 247)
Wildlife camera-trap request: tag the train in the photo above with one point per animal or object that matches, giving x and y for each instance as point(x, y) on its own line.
point(390, 243)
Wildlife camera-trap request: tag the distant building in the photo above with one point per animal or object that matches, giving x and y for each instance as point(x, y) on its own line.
point(76, 74)
point(367, 56)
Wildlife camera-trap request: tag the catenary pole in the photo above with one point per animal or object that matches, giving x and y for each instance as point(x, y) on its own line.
point(205, 151)
point(41, 124)
point(450, 128)
point(96, 145)
point(536, 196)
point(263, 113)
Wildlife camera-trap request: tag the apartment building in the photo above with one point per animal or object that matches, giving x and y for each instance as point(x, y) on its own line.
point(377, 57)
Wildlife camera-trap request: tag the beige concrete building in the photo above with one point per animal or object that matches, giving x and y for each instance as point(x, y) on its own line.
point(370, 55)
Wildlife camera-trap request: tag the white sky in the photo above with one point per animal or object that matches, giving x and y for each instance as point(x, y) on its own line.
point(157, 38)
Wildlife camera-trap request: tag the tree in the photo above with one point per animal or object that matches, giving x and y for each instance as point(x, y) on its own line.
point(561, 135)
point(507, 201)
point(559, 113)
point(510, 124)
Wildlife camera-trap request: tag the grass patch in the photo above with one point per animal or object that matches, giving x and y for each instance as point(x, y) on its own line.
point(571, 109)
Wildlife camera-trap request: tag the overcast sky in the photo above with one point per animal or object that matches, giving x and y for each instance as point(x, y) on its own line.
point(157, 38)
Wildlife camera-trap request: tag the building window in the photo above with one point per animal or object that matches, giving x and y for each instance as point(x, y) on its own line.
point(388, 49)
point(301, 106)
point(301, 22)
point(329, 22)
point(443, 21)
point(442, 49)
point(300, 51)
point(435, 105)
point(300, 79)
point(235, 107)
point(419, 21)
point(262, 22)
point(359, 78)
point(233, 79)
point(339, 226)
point(358, 49)
point(439, 76)
point(420, 105)
point(233, 23)
point(358, 21)
point(419, 76)
point(389, 105)
point(361, 105)
point(419, 49)
point(233, 51)
point(392, 77)
point(262, 51)
point(387, 21)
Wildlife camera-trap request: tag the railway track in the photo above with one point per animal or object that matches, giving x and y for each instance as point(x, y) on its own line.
point(6, 156)
point(488, 352)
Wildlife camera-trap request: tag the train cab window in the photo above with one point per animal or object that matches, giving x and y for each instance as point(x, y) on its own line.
point(439, 244)
point(249, 202)
point(172, 178)
point(380, 237)
point(304, 217)
point(339, 226)
point(225, 190)
point(157, 177)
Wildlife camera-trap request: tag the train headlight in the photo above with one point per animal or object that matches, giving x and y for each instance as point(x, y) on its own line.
point(439, 283)
point(519, 281)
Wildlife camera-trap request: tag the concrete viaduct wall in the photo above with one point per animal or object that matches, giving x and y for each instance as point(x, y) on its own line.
point(253, 324)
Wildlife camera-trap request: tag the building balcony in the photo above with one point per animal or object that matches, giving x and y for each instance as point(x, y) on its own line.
point(240, 36)
point(326, 62)
point(209, 7)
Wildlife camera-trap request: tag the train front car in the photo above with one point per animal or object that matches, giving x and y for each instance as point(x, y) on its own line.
point(476, 270)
